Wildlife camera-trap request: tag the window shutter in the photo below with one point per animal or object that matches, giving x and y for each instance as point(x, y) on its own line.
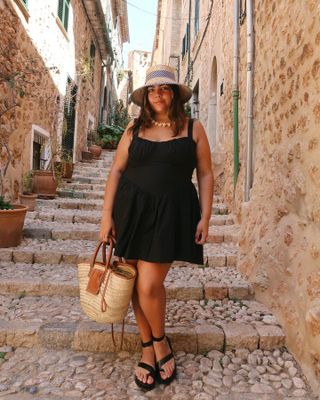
point(60, 10)
point(63, 12)
point(66, 14)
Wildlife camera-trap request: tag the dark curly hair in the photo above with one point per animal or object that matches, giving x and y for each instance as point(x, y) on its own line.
point(176, 113)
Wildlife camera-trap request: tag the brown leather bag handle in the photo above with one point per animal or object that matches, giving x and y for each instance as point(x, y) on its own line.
point(105, 260)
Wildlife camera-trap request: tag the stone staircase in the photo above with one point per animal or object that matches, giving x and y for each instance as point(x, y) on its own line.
point(228, 346)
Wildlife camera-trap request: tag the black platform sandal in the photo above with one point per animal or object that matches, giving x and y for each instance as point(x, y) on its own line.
point(160, 363)
point(149, 368)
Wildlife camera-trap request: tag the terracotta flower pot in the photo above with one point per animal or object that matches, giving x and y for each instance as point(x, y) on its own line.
point(67, 170)
point(44, 184)
point(11, 225)
point(28, 200)
point(86, 156)
point(95, 150)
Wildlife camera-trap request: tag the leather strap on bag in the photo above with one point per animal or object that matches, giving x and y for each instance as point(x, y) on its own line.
point(96, 279)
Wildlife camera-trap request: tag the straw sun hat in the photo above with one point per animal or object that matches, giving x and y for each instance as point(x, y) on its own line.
point(160, 75)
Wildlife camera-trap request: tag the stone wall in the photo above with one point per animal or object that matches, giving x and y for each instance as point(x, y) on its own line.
point(280, 251)
point(280, 235)
point(38, 35)
point(34, 108)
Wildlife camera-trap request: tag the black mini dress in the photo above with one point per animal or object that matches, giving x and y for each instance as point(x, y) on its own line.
point(156, 208)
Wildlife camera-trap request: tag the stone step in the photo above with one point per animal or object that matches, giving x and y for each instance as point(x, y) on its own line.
point(182, 282)
point(81, 186)
point(70, 204)
point(65, 215)
point(89, 204)
point(65, 374)
point(194, 326)
point(94, 217)
point(48, 251)
point(86, 180)
point(80, 194)
point(223, 233)
point(39, 229)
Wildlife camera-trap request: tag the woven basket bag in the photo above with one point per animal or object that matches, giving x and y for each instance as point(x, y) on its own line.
point(105, 288)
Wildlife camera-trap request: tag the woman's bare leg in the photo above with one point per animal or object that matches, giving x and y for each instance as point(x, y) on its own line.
point(149, 303)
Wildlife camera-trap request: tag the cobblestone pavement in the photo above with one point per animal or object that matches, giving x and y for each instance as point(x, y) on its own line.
point(227, 345)
point(234, 375)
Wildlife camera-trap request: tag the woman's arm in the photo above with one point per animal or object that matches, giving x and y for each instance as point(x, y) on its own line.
point(118, 166)
point(205, 181)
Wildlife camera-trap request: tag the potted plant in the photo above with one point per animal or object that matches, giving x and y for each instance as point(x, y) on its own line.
point(11, 223)
point(94, 144)
point(110, 136)
point(27, 197)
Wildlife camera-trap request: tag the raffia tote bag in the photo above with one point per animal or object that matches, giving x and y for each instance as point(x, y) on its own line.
point(105, 288)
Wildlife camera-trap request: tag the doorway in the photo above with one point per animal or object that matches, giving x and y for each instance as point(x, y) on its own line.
point(212, 107)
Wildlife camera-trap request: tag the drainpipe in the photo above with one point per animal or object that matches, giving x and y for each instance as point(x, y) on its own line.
point(250, 50)
point(189, 44)
point(235, 92)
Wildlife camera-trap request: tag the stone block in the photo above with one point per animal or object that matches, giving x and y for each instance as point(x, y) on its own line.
point(3, 332)
point(239, 292)
point(215, 290)
point(271, 337)
point(90, 219)
point(57, 335)
point(183, 339)
point(74, 234)
point(231, 238)
point(47, 257)
point(63, 218)
point(218, 260)
point(37, 233)
point(69, 258)
point(91, 336)
point(184, 290)
point(84, 257)
point(19, 334)
point(232, 260)
point(239, 335)
point(23, 256)
point(6, 255)
point(209, 337)
point(90, 206)
point(215, 238)
point(69, 206)
point(45, 217)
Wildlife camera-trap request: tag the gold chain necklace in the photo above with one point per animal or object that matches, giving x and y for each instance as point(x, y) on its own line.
point(161, 124)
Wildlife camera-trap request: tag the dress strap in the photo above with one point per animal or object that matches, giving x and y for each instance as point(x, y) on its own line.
point(190, 128)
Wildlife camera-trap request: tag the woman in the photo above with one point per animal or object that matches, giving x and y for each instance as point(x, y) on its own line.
point(152, 209)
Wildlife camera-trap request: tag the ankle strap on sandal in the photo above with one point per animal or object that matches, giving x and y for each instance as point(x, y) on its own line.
point(155, 339)
point(147, 344)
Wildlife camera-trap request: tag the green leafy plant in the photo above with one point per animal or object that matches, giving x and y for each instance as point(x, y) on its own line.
point(110, 135)
point(4, 205)
point(27, 183)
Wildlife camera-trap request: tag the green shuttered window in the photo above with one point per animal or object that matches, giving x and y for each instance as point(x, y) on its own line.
point(63, 12)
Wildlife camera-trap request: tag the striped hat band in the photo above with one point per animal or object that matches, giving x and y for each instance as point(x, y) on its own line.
point(160, 74)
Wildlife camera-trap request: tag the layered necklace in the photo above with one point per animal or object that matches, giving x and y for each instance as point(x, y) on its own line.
point(161, 124)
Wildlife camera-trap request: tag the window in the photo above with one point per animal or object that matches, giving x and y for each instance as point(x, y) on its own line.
point(92, 59)
point(196, 17)
point(40, 148)
point(63, 12)
point(185, 42)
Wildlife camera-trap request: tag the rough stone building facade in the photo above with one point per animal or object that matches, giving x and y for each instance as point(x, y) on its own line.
point(279, 210)
point(138, 63)
point(69, 41)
